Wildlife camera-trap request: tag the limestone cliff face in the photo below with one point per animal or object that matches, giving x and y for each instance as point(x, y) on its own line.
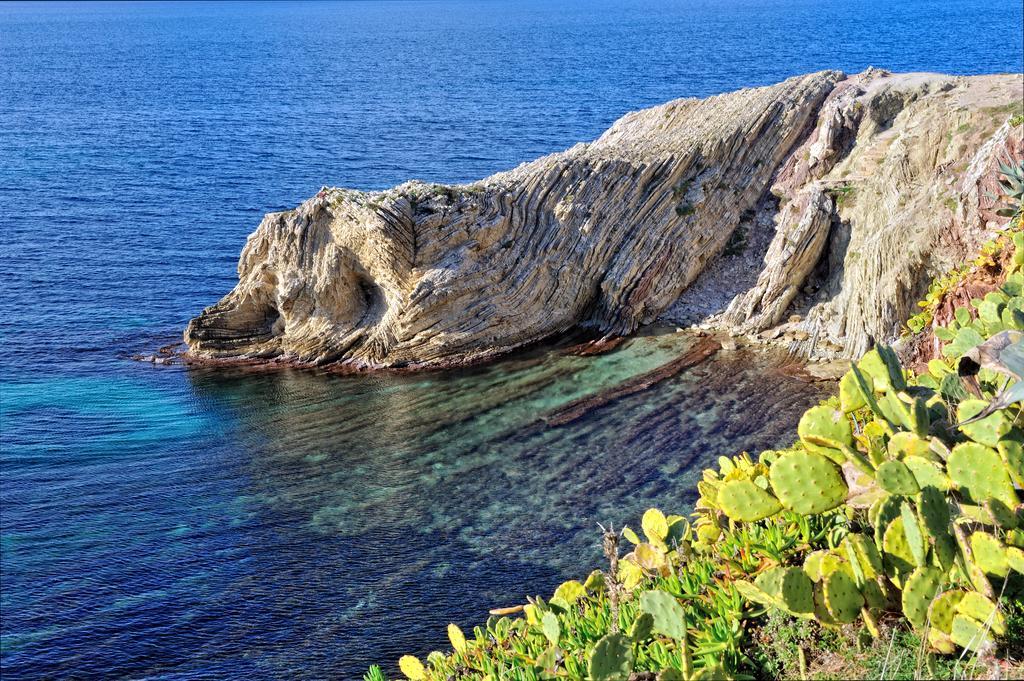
point(834, 197)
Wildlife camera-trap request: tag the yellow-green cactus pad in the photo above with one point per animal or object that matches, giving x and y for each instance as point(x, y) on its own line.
point(842, 598)
point(988, 430)
point(851, 397)
point(569, 592)
point(807, 483)
point(896, 553)
point(942, 610)
point(905, 443)
point(857, 547)
point(655, 525)
point(1015, 558)
point(1011, 448)
point(895, 478)
point(926, 473)
point(744, 501)
point(918, 592)
point(1001, 515)
point(611, 659)
point(941, 642)
point(753, 593)
point(821, 613)
point(933, 512)
point(824, 430)
point(669, 616)
point(912, 531)
point(989, 554)
point(983, 610)
point(969, 634)
point(873, 596)
point(978, 471)
point(888, 510)
point(883, 368)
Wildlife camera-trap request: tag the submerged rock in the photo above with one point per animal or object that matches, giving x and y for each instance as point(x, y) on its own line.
point(829, 197)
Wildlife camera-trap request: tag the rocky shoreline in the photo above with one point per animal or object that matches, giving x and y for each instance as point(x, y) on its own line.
point(813, 212)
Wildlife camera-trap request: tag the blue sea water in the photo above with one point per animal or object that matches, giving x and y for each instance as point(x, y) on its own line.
point(161, 522)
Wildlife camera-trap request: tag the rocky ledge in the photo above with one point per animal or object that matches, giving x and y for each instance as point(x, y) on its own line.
point(815, 210)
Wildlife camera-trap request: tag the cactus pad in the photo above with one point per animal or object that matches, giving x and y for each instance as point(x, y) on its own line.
point(988, 430)
point(1012, 451)
point(873, 596)
point(926, 473)
point(569, 592)
point(942, 610)
point(1015, 558)
point(669, 616)
point(859, 547)
point(1001, 515)
point(807, 483)
point(941, 641)
point(888, 511)
point(789, 588)
point(642, 627)
point(989, 554)
point(655, 526)
point(812, 564)
point(895, 478)
point(821, 613)
point(933, 512)
point(969, 634)
point(905, 443)
point(842, 598)
point(899, 560)
point(912, 531)
point(611, 659)
point(550, 627)
point(770, 581)
point(944, 551)
point(457, 638)
point(979, 472)
point(412, 667)
point(797, 594)
point(851, 397)
point(744, 501)
point(824, 427)
point(883, 368)
point(753, 593)
point(983, 610)
point(918, 592)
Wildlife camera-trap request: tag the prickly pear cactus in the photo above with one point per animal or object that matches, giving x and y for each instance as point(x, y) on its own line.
point(895, 478)
point(807, 483)
point(842, 597)
point(901, 498)
point(918, 593)
point(611, 659)
point(980, 474)
point(824, 428)
point(744, 501)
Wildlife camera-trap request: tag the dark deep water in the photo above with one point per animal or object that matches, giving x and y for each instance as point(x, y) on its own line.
point(164, 523)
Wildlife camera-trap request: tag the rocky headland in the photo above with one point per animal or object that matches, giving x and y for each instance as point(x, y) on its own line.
point(814, 212)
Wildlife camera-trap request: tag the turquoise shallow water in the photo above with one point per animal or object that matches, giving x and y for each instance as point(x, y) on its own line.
point(160, 522)
point(293, 524)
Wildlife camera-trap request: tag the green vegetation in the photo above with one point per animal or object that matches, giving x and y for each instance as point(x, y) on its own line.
point(1012, 186)
point(886, 542)
point(737, 242)
point(843, 194)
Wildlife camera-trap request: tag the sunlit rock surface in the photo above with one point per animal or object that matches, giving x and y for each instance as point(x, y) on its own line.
point(833, 197)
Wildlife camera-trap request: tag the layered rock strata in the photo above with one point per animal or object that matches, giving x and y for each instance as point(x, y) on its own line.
point(831, 197)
